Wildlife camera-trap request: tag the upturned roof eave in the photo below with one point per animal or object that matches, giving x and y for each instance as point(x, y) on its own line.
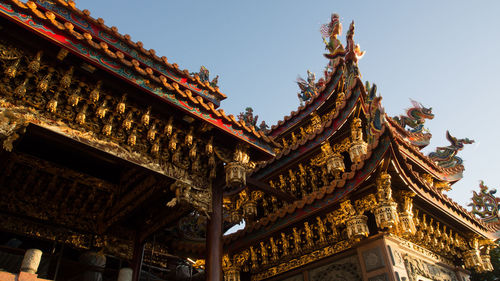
point(173, 95)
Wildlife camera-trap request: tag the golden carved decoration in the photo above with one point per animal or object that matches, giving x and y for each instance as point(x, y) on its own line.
point(386, 214)
point(302, 260)
point(358, 145)
point(407, 226)
point(96, 113)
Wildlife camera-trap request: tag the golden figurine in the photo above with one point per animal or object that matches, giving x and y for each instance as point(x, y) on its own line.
point(309, 236)
point(321, 230)
point(101, 110)
point(94, 94)
point(151, 135)
point(253, 257)
point(285, 244)
point(274, 250)
point(356, 130)
point(169, 127)
point(132, 138)
point(296, 241)
point(330, 217)
point(285, 144)
point(20, 90)
point(263, 253)
point(74, 98)
point(294, 139)
point(43, 85)
point(192, 151)
point(189, 137)
point(302, 176)
point(282, 183)
point(145, 118)
point(120, 107)
point(127, 122)
point(80, 117)
point(66, 79)
point(34, 65)
point(209, 147)
point(172, 144)
point(52, 104)
point(314, 179)
point(384, 191)
point(303, 134)
point(108, 126)
point(11, 71)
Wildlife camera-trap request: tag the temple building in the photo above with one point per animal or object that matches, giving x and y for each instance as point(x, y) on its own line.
point(118, 165)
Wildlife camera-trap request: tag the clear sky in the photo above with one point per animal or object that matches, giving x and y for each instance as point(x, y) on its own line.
point(444, 54)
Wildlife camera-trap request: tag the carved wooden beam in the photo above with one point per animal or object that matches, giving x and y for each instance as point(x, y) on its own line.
point(256, 184)
point(161, 220)
point(134, 198)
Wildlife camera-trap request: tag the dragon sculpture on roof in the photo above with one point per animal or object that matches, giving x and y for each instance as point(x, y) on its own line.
point(446, 156)
point(415, 117)
point(485, 204)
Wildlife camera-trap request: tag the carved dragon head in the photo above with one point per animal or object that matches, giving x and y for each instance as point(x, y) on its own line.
point(419, 111)
point(458, 143)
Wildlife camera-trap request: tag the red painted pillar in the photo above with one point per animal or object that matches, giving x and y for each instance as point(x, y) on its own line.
point(214, 238)
point(137, 259)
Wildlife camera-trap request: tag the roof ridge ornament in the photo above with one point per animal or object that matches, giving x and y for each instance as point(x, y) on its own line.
point(485, 204)
point(445, 156)
point(309, 88)
point(415, 119)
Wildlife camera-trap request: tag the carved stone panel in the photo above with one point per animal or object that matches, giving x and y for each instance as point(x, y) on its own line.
point(299, 277)
point(419, 269)
point(381, 277)
point(373, 259)
point(344, 269)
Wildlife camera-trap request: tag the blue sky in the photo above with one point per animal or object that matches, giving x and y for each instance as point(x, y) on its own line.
point(444, 54)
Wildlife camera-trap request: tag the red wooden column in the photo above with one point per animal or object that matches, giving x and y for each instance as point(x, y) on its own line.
point(214, 237)
point(137, 259)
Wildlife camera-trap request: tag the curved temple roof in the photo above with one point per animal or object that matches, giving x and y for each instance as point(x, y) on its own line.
point(63, 24)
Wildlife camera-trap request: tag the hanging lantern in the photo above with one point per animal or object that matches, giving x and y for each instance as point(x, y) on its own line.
point(335, 163)
point(486, 260)
point(357, 228)
point(234, 216)
point(357, 150)
point(407, 224)
point(386, 215)
point(250, 209)
point(472, 259)
point(235, 174)
point(231, 274)
point(358, 147)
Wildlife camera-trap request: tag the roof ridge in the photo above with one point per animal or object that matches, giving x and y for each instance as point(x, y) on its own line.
point(448, 201)
point(418, 153)
point(308, 103)
point(311, 197)
point(185, 94)
point(325, 124)
point(151, 53)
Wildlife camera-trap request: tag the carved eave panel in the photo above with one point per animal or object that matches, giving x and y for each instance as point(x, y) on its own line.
point(328, 127)
point(319, 202)
point(106, 59)
point(413, 154)
point(325, 98)
point(430, 197)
